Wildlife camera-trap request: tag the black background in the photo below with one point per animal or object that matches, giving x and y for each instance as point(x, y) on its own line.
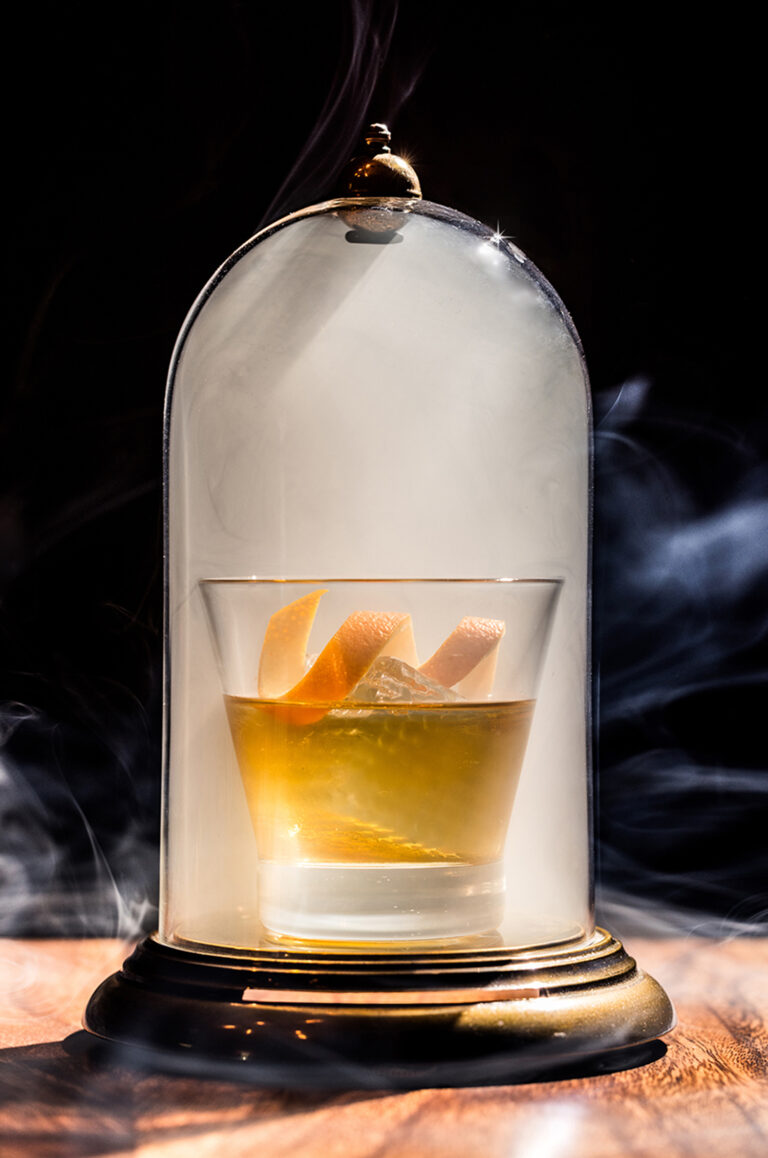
point(619, 148)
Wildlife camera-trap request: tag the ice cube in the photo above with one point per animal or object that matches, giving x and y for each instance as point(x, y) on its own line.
point(390, 681)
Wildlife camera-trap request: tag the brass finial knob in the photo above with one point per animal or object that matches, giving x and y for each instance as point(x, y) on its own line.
point(377, 171)
point(377, 138)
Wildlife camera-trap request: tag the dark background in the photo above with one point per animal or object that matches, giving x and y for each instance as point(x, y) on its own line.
point(620, 151)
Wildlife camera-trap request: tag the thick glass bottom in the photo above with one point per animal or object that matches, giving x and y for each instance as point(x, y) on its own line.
point(380, 902)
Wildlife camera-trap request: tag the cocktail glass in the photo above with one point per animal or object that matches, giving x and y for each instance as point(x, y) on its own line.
point(380, 728)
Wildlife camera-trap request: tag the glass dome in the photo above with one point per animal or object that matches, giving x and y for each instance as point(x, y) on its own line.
point(380, 390)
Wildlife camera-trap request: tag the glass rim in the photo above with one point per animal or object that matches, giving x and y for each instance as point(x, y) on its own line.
point(556, 581)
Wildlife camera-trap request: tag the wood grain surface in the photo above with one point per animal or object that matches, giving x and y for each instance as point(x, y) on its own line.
point(707, 1096)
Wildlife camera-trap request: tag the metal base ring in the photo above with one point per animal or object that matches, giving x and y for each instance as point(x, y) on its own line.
point(335, 1019)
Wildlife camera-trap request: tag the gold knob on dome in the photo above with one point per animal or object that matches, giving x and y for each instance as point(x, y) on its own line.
point(378, 172)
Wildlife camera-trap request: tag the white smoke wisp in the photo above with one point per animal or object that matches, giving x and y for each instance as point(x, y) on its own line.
point(338, 125)
point(682, 623)
point(367, 50)
point(56, 876)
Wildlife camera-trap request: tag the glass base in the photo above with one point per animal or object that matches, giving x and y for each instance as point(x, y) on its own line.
point(380, 902)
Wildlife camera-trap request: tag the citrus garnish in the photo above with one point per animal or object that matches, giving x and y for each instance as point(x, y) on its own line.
point(342, 663)
point(466, 660)
point(284, 651)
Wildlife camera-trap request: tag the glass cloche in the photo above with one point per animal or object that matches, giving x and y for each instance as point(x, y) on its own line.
point(377, 718)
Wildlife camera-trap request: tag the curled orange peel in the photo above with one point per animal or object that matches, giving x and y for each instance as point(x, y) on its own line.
point(362, 638)
point(342, 663)
point(402, 645)
point(284, 651)
point(466, 660)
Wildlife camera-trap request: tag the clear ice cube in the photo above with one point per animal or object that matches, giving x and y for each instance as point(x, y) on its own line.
point(392, 681)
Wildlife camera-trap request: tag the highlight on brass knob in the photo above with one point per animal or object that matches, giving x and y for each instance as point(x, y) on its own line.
point(378, 172)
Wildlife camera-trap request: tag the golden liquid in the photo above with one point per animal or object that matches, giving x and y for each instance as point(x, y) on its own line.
point(383, 783)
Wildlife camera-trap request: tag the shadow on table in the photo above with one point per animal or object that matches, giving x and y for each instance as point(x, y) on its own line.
point(75, 1098)
point(98, 1059)
point(333, 1073)
point(86, 1097)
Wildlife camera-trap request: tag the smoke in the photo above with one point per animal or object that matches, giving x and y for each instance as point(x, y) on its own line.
point(681, 571)
point(79, 850)
point(79, 728)
point(367, 66)
point(680, 649)
point(368, 36)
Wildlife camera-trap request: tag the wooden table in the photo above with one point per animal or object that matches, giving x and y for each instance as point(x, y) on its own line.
point(707, 1096)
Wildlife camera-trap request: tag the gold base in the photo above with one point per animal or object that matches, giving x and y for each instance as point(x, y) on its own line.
point(451, 1017)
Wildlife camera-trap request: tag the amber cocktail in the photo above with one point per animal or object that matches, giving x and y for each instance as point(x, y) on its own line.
point(380, 788)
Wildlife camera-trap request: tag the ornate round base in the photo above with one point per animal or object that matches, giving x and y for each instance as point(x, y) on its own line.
point(343, 1019)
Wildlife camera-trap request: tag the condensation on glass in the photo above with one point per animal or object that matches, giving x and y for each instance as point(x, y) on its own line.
point(341, 407)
